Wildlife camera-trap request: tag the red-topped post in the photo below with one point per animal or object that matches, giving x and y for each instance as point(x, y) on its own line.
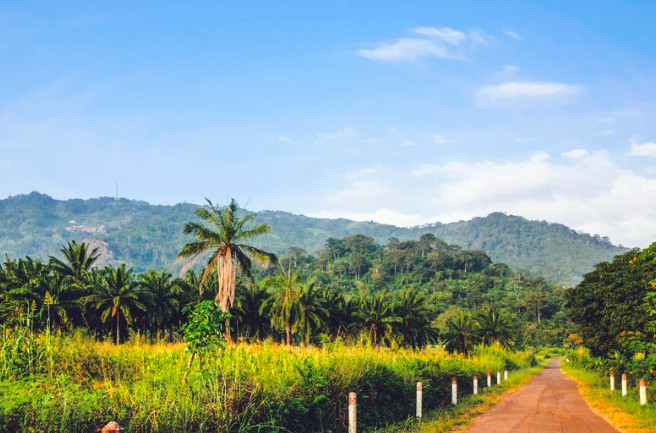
point(112, 427)
point(454, 391)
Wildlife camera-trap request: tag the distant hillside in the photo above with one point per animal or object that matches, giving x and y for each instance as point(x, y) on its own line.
point(149, 236)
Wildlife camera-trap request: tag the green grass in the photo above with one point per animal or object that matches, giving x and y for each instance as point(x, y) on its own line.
point(449, 418)
point(624, 413)
point(74, 384)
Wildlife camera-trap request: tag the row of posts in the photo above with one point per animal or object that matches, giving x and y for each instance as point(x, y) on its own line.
point(643, 388)
point(352, 400)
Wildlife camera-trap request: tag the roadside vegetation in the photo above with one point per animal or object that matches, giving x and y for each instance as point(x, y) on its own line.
point(255, 342)
point(614, 310)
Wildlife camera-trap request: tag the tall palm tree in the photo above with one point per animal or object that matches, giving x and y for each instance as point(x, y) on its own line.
point(164, 297)
point(223, 237)
point(118, 293)
point(493, 327)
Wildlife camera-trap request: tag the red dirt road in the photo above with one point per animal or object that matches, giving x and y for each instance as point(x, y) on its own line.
point(550, 402)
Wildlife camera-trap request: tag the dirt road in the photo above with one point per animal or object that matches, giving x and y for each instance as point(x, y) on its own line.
point(549, 403)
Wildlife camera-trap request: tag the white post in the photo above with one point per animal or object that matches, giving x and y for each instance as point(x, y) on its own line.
point(623, 385)
point(505, 374)
point(419, 389)
point(612, 381)
point(475, 385)
point(643, 392)
point(353, 416)
point(498, 377)
point(454, 391)
point(489, 379)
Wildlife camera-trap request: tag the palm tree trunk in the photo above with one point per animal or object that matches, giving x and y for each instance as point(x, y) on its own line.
point(288, 329)
point(118, 313)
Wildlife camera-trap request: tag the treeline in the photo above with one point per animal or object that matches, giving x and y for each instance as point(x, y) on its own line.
point(404, 293)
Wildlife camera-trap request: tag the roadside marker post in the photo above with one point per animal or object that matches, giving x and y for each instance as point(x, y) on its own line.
point(612, 381)
point(498, 377)
point(489, 379)
point(505, 374)
point(475, 385)
point(454, 391)
point(419, 391)
point(643, 392)
point(112, 427)
point(352, 413)
point(623, 385)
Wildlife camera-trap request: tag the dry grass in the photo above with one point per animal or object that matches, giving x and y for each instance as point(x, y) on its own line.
point(605, 404)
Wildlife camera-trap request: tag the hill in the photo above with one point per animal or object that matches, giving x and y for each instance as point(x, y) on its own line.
point(149, 236)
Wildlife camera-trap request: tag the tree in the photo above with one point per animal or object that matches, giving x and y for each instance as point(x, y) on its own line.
point(610, 300)
point(415, 312)
point(118, 293)
point(164, 297)
point(311, 312)
point(461, 335)
point(77, 264)
point(284, 304)
point(377, 315)
point(228, 228)
point(495, 328)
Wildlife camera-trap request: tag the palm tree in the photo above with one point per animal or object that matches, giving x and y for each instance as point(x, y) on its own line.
point(77, 265)
point(414, 310)
point(493, 327)
point(247, 310)
point(378, 315)
point(284, 304)
point(312, 311)
point(228, 228)
point(118, 293)
point(461, 335)
point(164, 296)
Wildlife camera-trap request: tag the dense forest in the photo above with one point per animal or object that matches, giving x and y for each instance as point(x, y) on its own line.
point(402, 293)
point(146, 236)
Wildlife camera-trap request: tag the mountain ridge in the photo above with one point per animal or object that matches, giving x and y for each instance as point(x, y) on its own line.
point(149, 236)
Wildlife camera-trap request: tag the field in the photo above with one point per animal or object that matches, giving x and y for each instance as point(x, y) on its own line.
point(76, 384)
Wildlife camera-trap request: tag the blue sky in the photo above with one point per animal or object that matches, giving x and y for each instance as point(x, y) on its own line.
point(399, 112)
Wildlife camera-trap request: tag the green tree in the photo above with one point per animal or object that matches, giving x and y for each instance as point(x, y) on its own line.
point(493, 327)
point(461, 335)
point(117, 293)
point(223, 238)
point(284, 306)
point(312, 313)
point(163, 299)
point(377, 315)
point(77, 265)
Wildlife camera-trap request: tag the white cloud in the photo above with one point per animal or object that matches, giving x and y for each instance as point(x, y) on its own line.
point(440, 139)
point(339, 136)
point(517, 91)
point(575, 154)
point(479, 37)
point(453, 37)
point(510, 68)
point(583, 190)
point(646, 149)
point(441, 42)
point(285, 139)
point(513, 34)
point(409, 143)
point(405, 49)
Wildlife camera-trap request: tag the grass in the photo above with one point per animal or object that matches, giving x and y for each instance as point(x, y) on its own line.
point(456, 418)
point(75, 384)
point(623, 413)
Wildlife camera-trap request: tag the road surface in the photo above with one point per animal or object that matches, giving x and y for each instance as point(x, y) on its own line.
point(550, 402)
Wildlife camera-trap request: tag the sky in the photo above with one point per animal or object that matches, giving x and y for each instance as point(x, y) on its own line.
point(404, 113)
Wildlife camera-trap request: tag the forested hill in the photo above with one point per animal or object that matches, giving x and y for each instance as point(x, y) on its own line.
point(149, 236)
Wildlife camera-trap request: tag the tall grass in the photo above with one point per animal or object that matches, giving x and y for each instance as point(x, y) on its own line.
point(75, 384)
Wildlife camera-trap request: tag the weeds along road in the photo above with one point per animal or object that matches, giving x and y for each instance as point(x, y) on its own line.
point(549, 402)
